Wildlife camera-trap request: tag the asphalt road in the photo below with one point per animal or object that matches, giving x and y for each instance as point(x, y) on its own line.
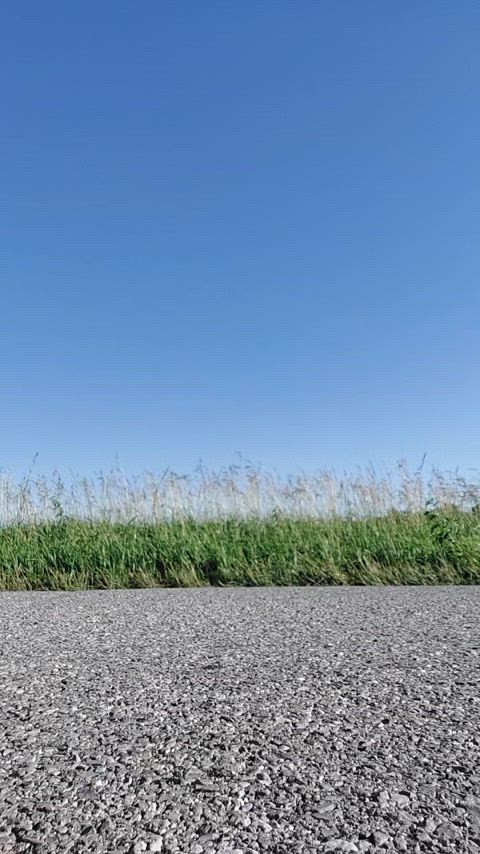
point(230, 720)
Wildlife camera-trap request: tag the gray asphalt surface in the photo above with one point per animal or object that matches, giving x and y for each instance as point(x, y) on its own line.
point(223, 720)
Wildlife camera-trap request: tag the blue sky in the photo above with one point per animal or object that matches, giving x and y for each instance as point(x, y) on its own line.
point(240, 227)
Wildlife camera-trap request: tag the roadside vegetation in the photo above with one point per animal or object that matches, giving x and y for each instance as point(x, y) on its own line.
point(239, 527)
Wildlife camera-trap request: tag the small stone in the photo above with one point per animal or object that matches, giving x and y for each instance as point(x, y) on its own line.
point(323, 808)
point(401, 843)
point(380, 838)
point(448, 831)
point(156, 844)
point(197, 849)
point(340, 845)
point(138, 847)
point(192, 775)
point(30, 840)
point(429, 789)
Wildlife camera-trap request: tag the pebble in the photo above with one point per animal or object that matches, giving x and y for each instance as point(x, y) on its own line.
point(380, 838)
point(340, 845)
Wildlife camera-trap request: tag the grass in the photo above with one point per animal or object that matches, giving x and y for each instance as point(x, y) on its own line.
point(240, 527)
point(437, 548)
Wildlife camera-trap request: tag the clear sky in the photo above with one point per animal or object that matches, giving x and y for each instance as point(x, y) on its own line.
point(240, 227)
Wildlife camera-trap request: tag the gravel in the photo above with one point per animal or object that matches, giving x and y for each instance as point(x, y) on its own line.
point(230, 721)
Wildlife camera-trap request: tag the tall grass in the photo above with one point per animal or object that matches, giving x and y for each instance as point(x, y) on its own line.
point(239, 527)
point(240, 492)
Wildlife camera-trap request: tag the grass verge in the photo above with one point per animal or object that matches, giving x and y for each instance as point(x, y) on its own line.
point(399, 548)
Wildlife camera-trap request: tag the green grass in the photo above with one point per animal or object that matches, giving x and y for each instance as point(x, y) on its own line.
point(398, 548)
point(239, 526)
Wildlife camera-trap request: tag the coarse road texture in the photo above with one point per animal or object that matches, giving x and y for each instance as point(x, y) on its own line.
point(240, 720)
